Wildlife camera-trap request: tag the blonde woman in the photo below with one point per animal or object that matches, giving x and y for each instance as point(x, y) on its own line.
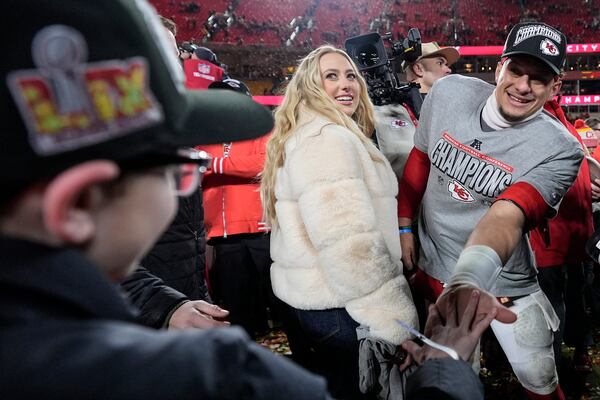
point(330, 198)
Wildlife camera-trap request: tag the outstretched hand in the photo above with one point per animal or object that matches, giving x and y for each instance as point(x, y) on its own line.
point(459, 331)
point(198, 314)
point(462, 296)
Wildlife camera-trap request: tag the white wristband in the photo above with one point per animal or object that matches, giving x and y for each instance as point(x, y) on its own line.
point(477, 265)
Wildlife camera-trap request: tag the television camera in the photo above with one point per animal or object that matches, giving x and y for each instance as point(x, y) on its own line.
point(379, 65)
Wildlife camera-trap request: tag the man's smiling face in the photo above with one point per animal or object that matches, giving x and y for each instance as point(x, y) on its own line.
point(524, 84)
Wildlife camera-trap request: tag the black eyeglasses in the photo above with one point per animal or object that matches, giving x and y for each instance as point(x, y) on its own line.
point(185, 166)
point(187, 175)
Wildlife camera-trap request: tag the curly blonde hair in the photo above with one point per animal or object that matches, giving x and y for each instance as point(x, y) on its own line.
point(305, 90)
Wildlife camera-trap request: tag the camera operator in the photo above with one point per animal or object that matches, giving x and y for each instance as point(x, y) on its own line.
point(396, 122)
point(398, 105)
point(434, 63)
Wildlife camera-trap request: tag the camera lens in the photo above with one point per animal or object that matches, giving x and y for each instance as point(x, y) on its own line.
point(368, 55)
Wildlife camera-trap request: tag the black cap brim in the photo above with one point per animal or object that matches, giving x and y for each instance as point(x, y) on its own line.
point(218, 116)
point(553, 67)
point(219, 85)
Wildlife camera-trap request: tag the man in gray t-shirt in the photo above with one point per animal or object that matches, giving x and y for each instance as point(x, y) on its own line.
point(487, 166)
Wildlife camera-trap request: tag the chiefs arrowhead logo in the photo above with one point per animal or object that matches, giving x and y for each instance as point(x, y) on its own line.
point(458, 192)
point(548, 47)
point(398, 123)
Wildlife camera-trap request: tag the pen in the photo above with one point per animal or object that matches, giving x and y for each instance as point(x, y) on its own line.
point(451, 352)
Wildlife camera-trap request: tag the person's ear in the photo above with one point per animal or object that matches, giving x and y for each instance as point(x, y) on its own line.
point(501, 68)
point(556, 85)
point(67, 200)
point(498, 71)
point(418, 69)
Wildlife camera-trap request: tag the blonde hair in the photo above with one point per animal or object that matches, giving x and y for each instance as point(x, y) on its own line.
point(305, 90)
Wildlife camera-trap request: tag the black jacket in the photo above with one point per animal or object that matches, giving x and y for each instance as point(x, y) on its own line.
point(173, 270)
point(178, 257)
point(66, 332)
point(153, 299)
point(444, 379)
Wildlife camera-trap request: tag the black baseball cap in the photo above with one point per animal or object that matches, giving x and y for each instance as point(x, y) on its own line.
point(97, 80)
point(206, 54)
point(231, 84)
point(538, 40)
point(187, 46)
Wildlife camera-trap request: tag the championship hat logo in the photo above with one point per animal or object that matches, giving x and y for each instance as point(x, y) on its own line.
point(548, 47)
point(530, 31)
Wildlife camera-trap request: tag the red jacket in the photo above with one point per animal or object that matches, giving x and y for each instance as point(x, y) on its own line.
point(231, 188)
point(563, 240)
point(199, 74)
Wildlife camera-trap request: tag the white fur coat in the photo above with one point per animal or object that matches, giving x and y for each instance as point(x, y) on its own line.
point(336, 243)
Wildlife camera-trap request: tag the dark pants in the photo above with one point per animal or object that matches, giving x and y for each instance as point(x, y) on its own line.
point(325, 342)
point(240, 280)
point(593, 288)
point(563, 285)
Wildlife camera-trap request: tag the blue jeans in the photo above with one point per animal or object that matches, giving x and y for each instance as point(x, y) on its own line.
point(324, 341)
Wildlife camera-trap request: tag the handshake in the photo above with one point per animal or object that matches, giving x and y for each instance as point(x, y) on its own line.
point(452, 332)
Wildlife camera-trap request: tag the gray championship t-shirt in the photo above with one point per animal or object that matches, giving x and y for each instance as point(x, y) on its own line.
point(470, 168)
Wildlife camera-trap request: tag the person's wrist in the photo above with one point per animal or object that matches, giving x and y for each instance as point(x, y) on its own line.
point(430, 354)
point(477, 266)
point(167, 322)
point(405, 229)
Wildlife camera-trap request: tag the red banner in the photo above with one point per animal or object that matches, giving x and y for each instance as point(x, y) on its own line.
point(581, 100)
point(479, 50)
point(583, 48)
point(268, 100)
point(575, 48)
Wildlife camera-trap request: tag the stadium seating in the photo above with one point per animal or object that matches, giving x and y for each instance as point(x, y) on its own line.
point(458, 22)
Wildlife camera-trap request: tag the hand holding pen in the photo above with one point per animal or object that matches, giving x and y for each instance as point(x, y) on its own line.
point(460, 334)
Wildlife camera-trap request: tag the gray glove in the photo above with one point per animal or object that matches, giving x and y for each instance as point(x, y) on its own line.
point(378, 365)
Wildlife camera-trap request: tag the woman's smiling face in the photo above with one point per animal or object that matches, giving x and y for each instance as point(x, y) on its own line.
point(340, 82)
